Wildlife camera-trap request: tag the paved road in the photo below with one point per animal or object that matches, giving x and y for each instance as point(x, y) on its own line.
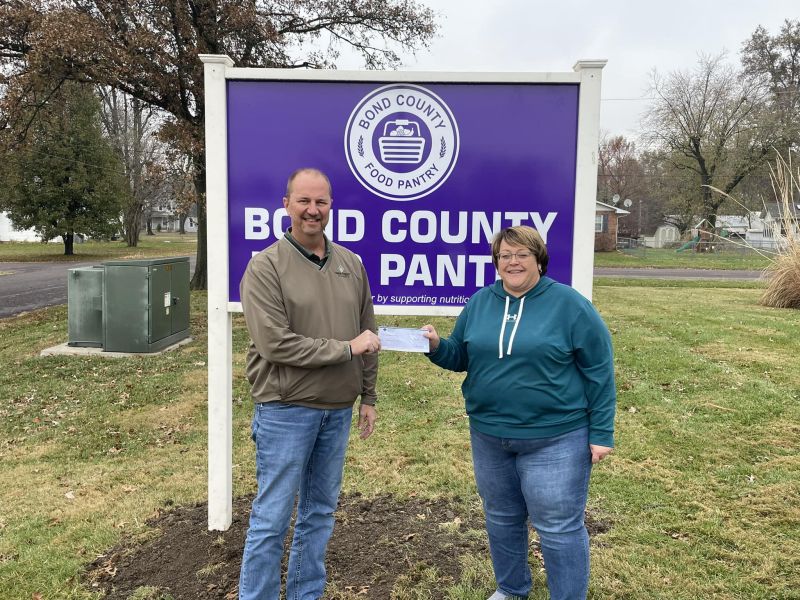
point(675, 273)
point(27, 286)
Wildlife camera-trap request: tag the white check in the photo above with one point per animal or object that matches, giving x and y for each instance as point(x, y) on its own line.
point(403, 339)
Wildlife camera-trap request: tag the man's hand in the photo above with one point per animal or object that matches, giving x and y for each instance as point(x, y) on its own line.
point(599, 452)
point(366, 343)
point(366, 420)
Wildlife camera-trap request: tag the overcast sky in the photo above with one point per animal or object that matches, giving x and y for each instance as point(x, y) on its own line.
point(634, 36)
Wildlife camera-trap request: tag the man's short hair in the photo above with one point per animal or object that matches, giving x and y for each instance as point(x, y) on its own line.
point(312, 170)
point(524, 236)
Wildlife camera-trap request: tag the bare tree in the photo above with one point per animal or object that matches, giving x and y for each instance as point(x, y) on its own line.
point(713, 123)
point(180, 178)
point(620, 174)
point(618, 168)
point(673, 194)
point(131, 127)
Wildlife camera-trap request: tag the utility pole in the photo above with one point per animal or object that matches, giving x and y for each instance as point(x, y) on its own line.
point(639, 230)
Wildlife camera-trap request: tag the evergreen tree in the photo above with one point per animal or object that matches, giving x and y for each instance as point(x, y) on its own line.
point(65, 179)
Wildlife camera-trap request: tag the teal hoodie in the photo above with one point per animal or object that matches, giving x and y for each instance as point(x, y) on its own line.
point(537, 366)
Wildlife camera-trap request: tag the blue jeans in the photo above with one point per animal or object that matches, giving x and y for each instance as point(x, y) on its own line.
point(546, 480)
point(298, 450)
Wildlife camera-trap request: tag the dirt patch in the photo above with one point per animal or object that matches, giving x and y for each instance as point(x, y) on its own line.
point(375, 542)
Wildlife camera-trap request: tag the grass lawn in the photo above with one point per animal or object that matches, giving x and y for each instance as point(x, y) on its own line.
point(670, 259)
point(160, 244)
point(702, 494)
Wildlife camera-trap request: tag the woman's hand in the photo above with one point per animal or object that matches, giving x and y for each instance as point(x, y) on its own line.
point(433, 337)
point(599, 452)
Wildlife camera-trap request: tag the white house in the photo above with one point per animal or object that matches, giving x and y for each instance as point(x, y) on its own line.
point(760, 229)
point(166, 216)
point(757, 229)
point(781, 225)
point(9, 234)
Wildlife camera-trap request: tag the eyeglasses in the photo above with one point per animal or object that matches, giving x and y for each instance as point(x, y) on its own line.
point(520, 256)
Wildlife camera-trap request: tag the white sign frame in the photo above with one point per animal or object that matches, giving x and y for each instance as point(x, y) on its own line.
point(218, 69)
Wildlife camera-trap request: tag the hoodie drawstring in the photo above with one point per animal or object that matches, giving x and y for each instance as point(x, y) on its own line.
point(516, 324)
point(513, 331)
point(503, 329)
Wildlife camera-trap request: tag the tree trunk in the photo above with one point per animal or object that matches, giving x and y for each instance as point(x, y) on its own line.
point(69, 240)
point(132, 221)
point(200, 277)
point(150, 226)
point(707, 197)
point(182, 223)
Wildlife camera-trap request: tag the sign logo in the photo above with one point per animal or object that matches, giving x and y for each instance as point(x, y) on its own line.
point(401, 142)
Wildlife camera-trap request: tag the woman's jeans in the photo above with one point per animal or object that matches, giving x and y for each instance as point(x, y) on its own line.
point(546, 480)
point(298, 449)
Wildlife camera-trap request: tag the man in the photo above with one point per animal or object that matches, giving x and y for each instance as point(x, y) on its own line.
point(308, 309)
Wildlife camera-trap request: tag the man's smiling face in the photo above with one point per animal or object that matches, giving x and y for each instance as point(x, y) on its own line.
point(308, 205)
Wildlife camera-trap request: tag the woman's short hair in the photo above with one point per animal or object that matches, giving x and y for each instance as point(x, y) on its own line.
point(524, 236)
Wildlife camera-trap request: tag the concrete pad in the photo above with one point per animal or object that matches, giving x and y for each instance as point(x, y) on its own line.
point(66, 350)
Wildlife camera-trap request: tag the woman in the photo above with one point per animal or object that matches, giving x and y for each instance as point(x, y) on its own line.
point(540, 396)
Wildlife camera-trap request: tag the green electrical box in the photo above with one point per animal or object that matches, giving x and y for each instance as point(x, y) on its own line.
point(85, 307)
point(145, 304)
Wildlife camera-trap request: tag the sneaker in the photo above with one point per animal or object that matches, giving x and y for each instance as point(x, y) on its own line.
point(498, 595)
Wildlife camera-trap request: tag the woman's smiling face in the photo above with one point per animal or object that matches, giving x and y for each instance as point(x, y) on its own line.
point(518, 268)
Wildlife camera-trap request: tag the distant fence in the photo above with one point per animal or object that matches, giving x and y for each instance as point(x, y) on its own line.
point(631, 246)
point(742, 247)
point(636, 247)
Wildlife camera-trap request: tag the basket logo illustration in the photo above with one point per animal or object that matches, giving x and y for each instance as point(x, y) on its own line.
point(401, 142)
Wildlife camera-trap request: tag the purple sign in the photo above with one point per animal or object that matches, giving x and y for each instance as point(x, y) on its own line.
point(422, 175)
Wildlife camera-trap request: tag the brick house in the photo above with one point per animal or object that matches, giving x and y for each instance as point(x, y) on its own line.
point(605, 226)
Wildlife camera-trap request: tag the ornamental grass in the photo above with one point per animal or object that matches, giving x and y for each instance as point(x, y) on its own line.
point(783, 272)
